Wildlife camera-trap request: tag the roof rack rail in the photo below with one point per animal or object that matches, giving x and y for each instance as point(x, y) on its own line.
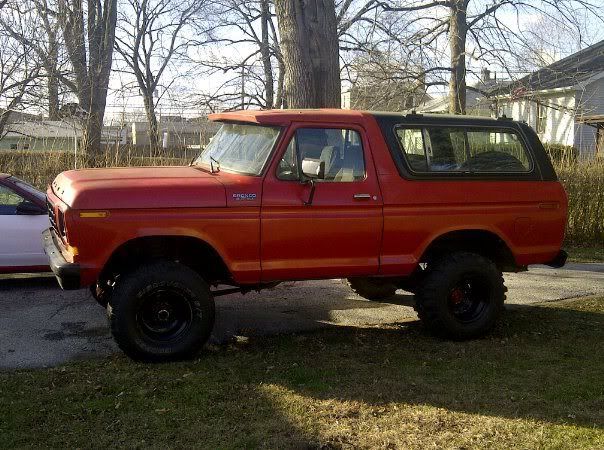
point(414, 113)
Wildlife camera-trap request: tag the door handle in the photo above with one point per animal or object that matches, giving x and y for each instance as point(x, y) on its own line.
point(362, 196)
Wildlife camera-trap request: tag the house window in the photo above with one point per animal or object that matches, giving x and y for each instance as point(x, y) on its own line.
point(541, 118)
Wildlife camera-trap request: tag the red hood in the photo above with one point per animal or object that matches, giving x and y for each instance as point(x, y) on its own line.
point(139, 188)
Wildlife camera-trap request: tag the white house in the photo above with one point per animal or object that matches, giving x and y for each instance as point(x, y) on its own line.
point(563, 102)
point(42, 135)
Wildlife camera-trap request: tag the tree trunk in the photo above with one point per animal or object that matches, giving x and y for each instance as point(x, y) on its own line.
point(310, 48)
point(458, 30)
point(53, 93)
point(92, 62)
point(51, 62)
point(265, 50)
point(154, 146)
point(91, 139)
point(280, 99)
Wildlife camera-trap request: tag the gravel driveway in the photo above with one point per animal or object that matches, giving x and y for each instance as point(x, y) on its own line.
point(41, 325)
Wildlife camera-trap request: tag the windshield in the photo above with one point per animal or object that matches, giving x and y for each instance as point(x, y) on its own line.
point(239, 148)
point(29, 188)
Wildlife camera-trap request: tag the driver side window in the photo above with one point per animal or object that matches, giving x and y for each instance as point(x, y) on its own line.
point(9, 201)
point(340, 151)
point(288, 166)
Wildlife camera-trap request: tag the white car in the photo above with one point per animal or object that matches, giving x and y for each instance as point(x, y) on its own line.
point(23, 218)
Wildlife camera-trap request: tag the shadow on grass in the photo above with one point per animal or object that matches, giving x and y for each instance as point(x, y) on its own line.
point(542, 363)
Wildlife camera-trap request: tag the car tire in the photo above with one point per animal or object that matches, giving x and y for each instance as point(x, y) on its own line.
point(373, 289)
point(161, 312)
point(461, 296)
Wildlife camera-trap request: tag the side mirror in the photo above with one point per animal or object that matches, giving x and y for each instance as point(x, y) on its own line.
point(27, 208)
point(313, 168)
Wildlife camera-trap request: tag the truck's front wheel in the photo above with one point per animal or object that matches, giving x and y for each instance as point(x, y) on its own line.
point(160, 312)
point(461, 296)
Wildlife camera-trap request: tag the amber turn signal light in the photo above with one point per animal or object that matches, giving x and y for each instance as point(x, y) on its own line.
point(94, 214)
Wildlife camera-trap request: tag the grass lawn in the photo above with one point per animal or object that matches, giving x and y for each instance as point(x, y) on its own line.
point(585, 254)
point(536, 382)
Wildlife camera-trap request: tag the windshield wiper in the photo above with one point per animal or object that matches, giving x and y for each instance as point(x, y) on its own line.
point(212, 161)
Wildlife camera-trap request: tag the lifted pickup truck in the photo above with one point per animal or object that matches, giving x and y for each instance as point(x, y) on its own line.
point(437, 205)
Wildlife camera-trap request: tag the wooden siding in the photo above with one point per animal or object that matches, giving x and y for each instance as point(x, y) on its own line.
point(590, 101)
point(559, 125)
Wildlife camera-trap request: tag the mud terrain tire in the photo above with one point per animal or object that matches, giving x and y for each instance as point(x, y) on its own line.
point(161, 312)
point(461, 296)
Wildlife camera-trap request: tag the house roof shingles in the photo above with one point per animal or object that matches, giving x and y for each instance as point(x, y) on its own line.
point(567, 72)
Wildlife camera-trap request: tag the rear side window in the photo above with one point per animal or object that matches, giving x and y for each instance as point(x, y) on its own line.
point(460, 150)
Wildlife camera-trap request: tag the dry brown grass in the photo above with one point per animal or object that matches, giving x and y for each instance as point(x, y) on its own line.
point(584, 182)
point(39, 169)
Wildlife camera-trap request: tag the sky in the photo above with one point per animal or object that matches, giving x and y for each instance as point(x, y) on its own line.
point(127, 104)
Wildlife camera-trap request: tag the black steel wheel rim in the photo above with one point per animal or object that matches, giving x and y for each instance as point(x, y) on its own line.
point(165, 314)
point(469, 298)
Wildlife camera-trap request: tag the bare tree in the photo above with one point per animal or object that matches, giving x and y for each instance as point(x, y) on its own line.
point(477, 24)
point(384, 66)
point(310, 48)
point(46, 45)
point(89, 36)
point(19, 69)
point(152, 34)
point(383, 82)
point(253, 75)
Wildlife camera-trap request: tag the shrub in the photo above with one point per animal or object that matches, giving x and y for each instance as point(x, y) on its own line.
point(559, 153)
point(39, 169)
point(584, 184)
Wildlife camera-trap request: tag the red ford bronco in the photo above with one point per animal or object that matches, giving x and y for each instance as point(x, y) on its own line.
point(437, 205)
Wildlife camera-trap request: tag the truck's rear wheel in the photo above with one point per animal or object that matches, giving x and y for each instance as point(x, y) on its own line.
point(161, 312)
point(461, 296)
point(372, 288)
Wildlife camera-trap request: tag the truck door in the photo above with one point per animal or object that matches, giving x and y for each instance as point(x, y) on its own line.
point(333, 229)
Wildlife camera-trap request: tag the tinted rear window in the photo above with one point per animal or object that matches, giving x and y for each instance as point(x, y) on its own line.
point(432, 149)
